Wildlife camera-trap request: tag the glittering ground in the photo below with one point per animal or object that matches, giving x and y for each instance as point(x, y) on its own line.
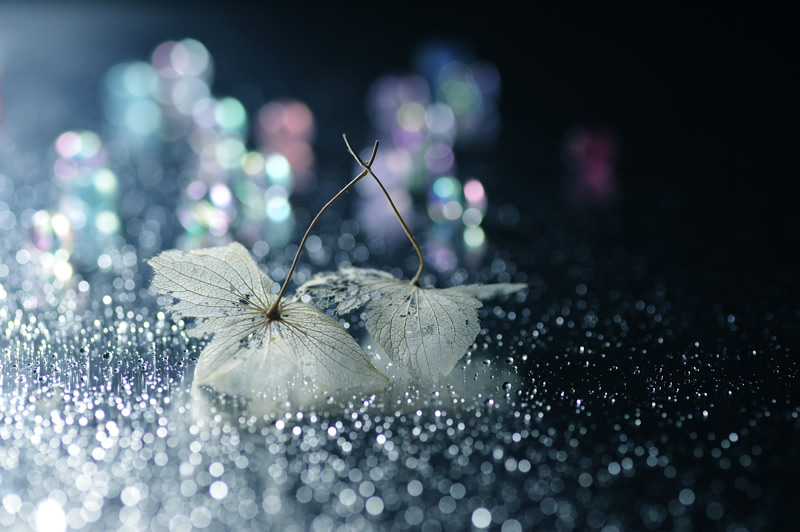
point(621, 393)
point(633, 412)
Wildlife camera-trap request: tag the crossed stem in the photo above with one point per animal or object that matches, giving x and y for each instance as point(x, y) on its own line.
point(274, 311)
point(368, 168)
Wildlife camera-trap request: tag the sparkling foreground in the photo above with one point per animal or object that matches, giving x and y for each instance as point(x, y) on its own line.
point(542, 425)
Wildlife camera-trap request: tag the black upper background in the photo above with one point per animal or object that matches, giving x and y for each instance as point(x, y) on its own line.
point(701, 99)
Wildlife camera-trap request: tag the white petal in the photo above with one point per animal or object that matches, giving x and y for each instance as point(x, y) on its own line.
point(425, 331)
point(489, 291)
point(304, 349)
point(213, 282)
point(347, 289)
point(302, 354)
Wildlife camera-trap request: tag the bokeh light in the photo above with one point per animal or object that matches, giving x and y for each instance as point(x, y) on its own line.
point(284, 132)
point(230, 114)
point(228, 189)
point(232, 187)
point(450, 101)
point(590, 155)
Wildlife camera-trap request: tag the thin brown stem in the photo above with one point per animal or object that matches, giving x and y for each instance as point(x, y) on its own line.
point(274, 313)
point(368, 167)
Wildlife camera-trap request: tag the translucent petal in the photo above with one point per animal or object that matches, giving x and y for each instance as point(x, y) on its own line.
point(490, 291)
point(423, 330)
point(213, 282)
point(302, 353)
point(347, 289)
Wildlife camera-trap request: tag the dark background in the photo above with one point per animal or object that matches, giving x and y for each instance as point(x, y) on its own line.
point(703, 106)
point(701, 100)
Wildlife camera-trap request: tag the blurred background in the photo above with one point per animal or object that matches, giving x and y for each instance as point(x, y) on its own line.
point(635, 167)
point(664, 131)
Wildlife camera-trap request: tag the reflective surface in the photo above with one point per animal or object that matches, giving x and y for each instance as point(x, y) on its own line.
point(630, 388)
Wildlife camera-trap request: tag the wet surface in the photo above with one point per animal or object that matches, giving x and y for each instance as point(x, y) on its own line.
point(637, 385)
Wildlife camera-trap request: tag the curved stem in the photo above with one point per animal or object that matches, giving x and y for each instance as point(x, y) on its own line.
point(274, 313)
point(368, 167)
